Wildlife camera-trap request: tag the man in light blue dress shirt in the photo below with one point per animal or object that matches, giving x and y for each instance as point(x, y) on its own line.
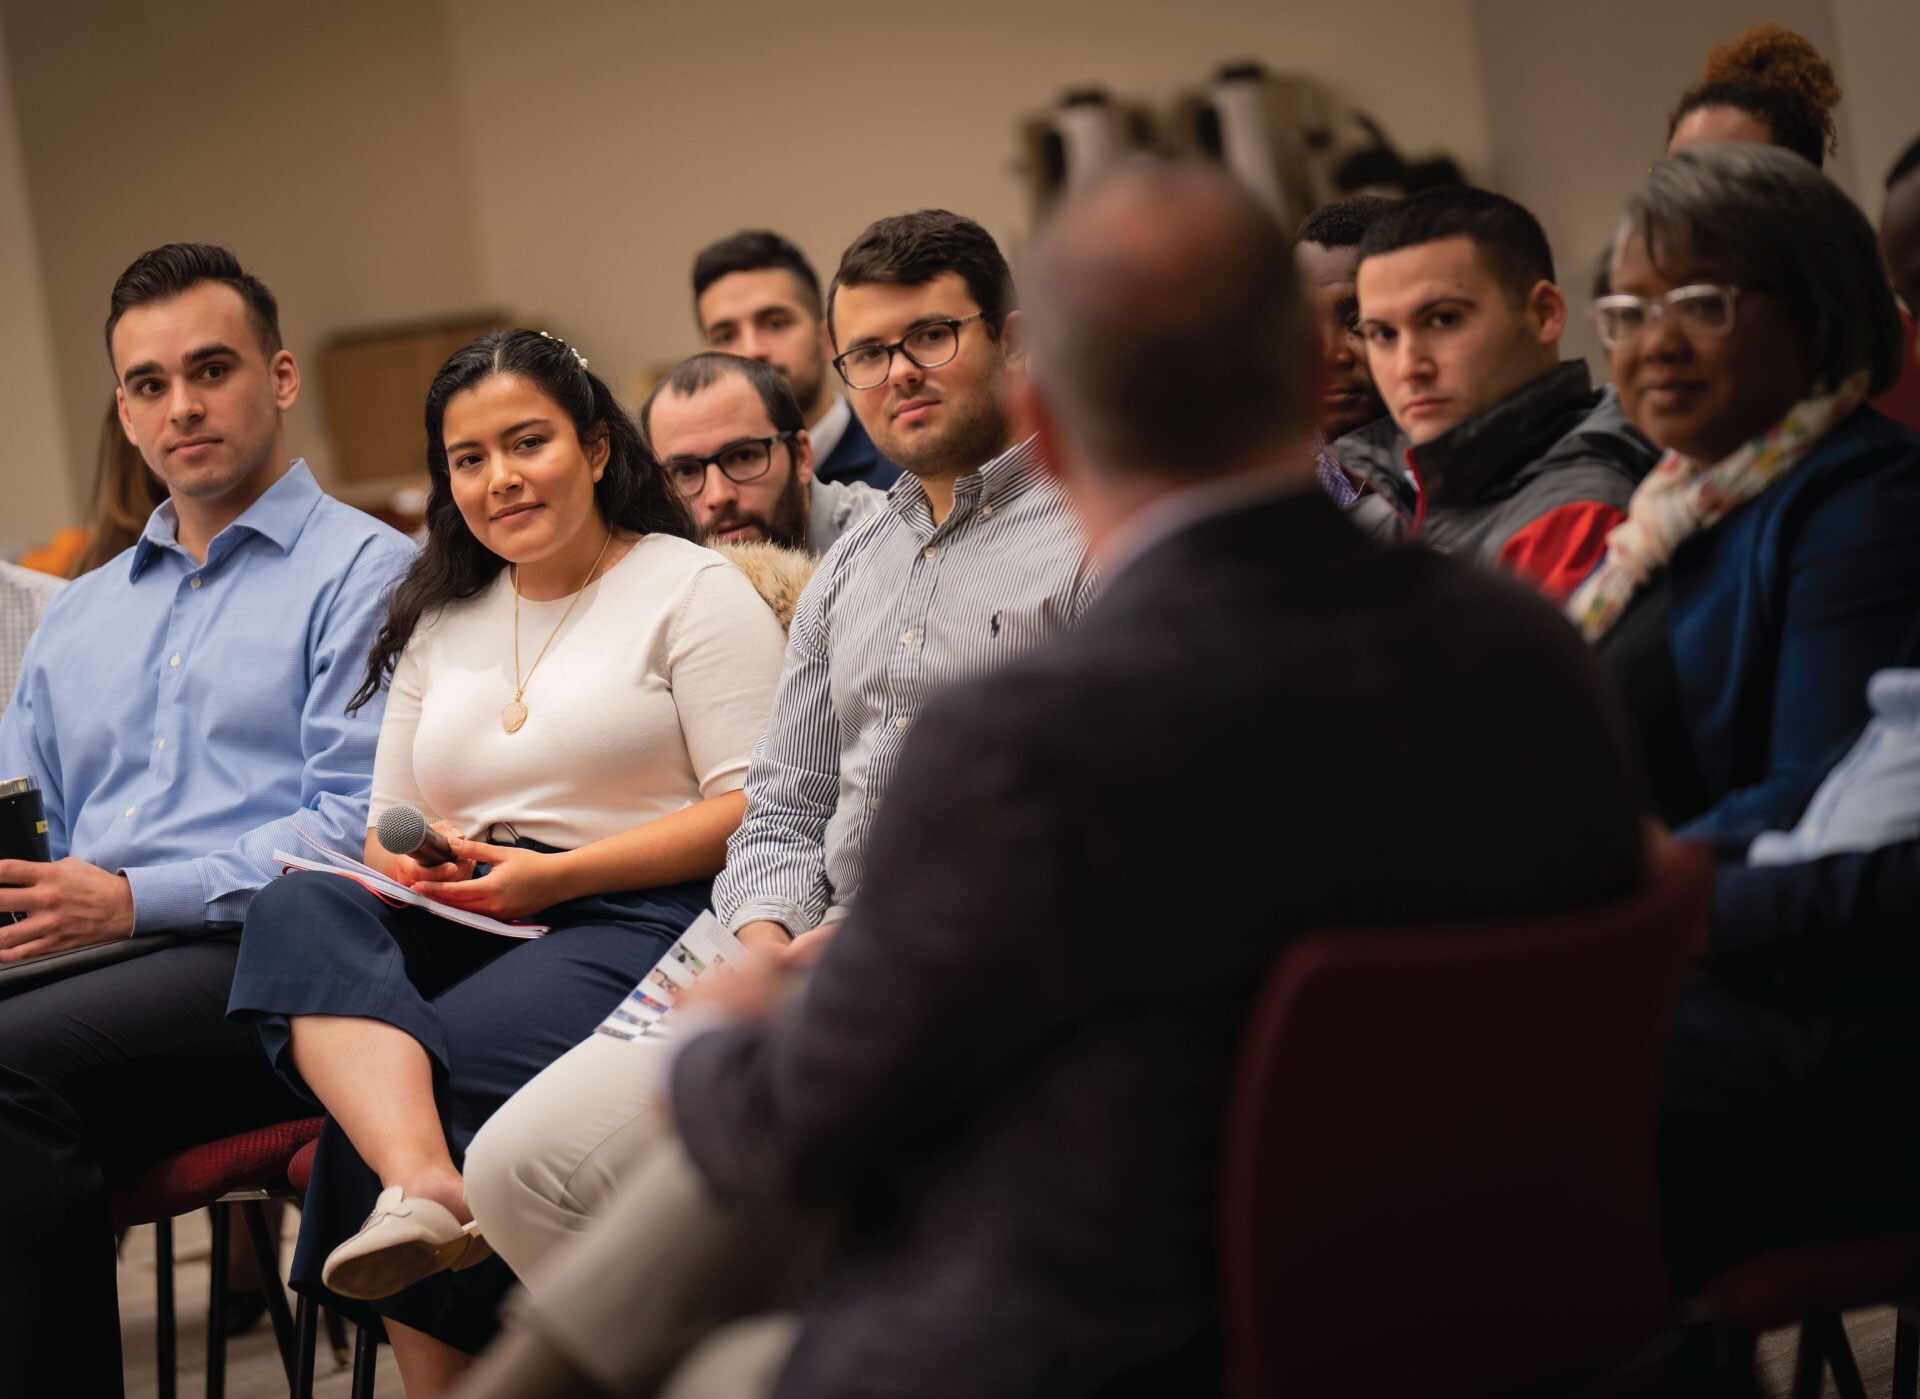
point(183, 710)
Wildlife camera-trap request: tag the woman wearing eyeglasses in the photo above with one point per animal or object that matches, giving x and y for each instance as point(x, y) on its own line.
point(1771, 562)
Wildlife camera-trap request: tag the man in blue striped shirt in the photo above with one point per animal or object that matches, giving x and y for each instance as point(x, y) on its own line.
point(976, 558)
point(183, 710)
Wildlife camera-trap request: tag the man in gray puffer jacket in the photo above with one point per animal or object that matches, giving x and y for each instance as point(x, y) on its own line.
point(1494, 449)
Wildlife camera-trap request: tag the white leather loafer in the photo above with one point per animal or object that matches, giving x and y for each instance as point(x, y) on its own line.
point(404, 1240)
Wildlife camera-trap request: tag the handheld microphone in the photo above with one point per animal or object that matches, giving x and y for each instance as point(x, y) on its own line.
point(402, 830)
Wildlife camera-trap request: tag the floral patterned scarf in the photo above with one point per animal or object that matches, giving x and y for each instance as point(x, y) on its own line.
point(1681, 497)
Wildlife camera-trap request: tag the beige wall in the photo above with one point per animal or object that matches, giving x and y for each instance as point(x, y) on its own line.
point(619, 138)
point(38, 482)
point(321, 142)
point(1878, 56)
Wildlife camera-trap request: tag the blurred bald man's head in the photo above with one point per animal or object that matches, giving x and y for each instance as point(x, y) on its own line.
point(1167, 329)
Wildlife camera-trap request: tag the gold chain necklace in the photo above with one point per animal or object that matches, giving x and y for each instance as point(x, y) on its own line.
point(515, 714)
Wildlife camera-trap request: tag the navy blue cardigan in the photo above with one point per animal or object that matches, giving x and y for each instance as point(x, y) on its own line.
point(1781, 612)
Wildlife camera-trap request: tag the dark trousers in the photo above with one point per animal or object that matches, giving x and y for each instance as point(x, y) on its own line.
point(102, 1075)
point(1786, 1119)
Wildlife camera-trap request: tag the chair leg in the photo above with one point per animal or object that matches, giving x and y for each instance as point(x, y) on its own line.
point(366, 1355)
point(222, 1223)
point(305, 1329)
point(266, 1261)
point(1840, 1359)
point(166, 1356)
point(1809, 1362)
point(1906, 1357)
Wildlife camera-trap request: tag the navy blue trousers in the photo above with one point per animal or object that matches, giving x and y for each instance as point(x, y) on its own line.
point(491, 1013)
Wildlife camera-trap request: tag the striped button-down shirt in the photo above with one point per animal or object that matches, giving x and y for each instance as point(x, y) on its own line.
point(897, 608)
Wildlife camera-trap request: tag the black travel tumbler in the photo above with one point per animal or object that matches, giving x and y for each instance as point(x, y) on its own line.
point(23, 826)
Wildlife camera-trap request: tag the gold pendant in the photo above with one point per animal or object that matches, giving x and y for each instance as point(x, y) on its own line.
point(513, 716)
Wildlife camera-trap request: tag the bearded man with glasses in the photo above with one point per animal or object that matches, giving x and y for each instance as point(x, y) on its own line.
point(731, 438)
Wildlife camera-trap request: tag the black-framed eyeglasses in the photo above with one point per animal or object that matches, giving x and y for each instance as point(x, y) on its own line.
point(740, 462)
point(929, 346)
point(1701, 311)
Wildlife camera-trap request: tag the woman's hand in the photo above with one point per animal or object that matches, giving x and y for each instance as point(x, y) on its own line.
point(412, 873)
point(519, 882)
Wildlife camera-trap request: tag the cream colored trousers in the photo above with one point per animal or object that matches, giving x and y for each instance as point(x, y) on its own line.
point(631, 1267)
point(548, 1164)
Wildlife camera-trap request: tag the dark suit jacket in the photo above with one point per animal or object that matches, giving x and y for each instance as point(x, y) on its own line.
point(855, 458)
point(1011, 1063)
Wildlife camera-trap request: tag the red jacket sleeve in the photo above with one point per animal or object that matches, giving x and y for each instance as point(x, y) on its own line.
point(1558, 550)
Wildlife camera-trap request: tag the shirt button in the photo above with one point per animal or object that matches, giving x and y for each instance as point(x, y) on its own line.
point(932, 553)
point(901, 722)
point(906, 638)
point(161, 744)
point(194, 582)
point(986, 510)
point(175, 662)
point(130, 811)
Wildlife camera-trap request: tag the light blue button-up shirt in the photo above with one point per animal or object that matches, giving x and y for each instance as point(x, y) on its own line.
point(180, 717)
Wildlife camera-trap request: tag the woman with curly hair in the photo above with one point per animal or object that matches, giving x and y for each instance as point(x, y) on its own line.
point(1770, 87)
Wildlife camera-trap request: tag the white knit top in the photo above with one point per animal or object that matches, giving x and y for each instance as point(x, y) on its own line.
point(650, 699)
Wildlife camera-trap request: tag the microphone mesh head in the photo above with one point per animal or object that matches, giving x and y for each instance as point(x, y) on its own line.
point(400, 829)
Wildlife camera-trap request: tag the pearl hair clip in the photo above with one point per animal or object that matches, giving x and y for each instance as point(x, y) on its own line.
point(565, 346)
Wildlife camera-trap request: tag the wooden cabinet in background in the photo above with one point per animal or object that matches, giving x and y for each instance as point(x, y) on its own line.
point(375, 382)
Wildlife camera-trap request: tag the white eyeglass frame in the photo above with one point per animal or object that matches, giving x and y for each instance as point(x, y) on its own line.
point(1657, 308)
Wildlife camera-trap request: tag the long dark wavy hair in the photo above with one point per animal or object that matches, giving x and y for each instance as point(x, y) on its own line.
point(632, 494)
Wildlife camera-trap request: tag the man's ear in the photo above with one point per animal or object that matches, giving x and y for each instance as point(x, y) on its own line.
point(1548, 307)
point(120, 407)
point(1013, 337)
point(286, 379)
point(802, 446)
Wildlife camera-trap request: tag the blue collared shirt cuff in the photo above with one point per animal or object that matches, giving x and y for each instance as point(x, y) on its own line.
point(167, 896)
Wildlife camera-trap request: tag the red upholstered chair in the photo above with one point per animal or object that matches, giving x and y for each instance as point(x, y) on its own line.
point(1452, 1127)
point(242, 1170)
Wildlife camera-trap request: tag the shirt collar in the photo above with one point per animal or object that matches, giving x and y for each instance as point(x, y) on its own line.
point(1521, 428)
point(278, 516)
point(1007, 476)
point(1183, 508)
point(826, 434)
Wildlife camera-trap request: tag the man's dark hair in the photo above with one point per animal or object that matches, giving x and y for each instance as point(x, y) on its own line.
point(1908, 163)
point(168, 271)
point(1343, 223)
point(1509, 240)
point(912, 249)
point(698, 373)
point(1185, 359)
point(756, 250)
